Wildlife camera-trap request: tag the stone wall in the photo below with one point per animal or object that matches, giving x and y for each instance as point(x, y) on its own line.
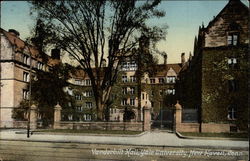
point(128, 126)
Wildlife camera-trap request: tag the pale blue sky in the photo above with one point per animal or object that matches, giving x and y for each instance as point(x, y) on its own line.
point(182, 17)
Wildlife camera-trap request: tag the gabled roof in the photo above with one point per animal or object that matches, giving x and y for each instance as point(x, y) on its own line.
point(18, 43)
point(20, 46)
point(230, 4)
point(162, 69)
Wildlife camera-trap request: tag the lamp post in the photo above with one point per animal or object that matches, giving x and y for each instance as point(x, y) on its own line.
point(30, 68)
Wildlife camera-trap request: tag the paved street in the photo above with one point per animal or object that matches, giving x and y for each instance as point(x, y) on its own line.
point(44, 151)
point(152, 146)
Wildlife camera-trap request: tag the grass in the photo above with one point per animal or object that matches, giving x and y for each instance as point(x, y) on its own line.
point(224, 135)
point(90, 131)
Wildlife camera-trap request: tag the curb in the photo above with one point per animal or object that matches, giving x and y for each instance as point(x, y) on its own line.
point(209, 138)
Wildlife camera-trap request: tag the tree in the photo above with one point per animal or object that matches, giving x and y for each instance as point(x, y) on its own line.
point(92, 30)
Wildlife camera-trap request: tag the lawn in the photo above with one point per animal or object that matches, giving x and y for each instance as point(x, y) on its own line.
point(224, 135)
point(119, 132)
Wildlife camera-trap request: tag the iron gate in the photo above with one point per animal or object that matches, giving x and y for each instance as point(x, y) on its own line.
point(164, 120)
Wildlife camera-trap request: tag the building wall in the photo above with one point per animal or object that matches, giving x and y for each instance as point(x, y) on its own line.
point(7, 83)
point(215, 85)
point(204, 81)
point(216, 35)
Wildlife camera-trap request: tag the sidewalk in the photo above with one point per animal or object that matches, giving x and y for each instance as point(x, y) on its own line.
point(154, 138)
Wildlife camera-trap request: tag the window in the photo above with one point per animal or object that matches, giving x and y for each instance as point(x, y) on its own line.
point(40, 66)
point(161, 92)
point(133, 65)
point(152, 93)
point(88, 105)
point(87, 117)
point(152, 81)
point(132, 90)
point(233, 85)
point(125, 66)
point(87, 93)
point(232, 112)
point(170, 91)
point(124, 79)
point(143, 96)
point(132, 101)
point(25, 94)
point(124, 102)
point(124, 90)
point(79, 108)
point(70, 117)
point(26, 59)
point(161, 80)
point(26, 77)
point(78, 82)
point(152, 104)
point(232, 63)
point(171, 79)
point(232, 39)
point(87, 82)
point(78, 97)
point(132, 79)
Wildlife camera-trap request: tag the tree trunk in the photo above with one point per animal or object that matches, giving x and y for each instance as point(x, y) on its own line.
point(101, 101)
point(99, 109)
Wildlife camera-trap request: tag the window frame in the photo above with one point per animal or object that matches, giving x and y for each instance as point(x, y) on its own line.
point(234, 37)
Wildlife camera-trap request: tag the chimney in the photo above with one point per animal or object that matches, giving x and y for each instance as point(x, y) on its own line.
point(55, 54)
point(165, 57)
point(183, 59)
point(14, 32)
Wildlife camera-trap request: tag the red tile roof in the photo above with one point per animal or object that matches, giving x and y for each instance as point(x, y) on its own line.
point(20, 46)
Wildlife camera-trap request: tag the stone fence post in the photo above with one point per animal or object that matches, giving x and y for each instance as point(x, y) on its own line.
point(146, 118)
point(178, 116)
point(33, 117)
point(57, 116)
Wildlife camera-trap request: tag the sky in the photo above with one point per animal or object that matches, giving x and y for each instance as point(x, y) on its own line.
point(183, 19)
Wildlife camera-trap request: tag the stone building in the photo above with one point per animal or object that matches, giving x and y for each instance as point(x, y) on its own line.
point(18, 60)
point(158, 92)
point(214, 79)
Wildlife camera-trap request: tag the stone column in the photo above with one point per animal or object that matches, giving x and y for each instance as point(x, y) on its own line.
point(146, 118)
point(178, 116)
point(57, 116)
point(33, 117)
